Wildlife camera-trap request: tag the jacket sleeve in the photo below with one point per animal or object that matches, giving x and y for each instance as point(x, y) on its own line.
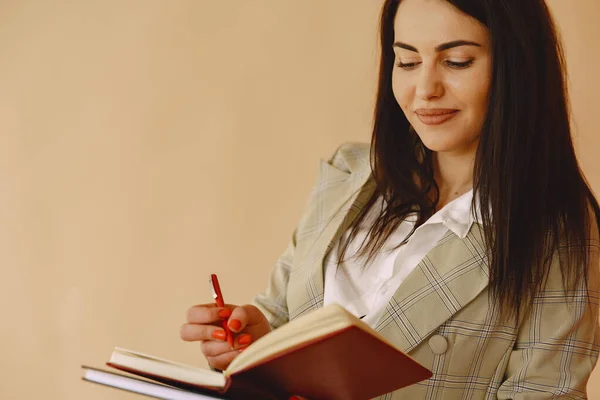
point(273, 302)
point(557, 345)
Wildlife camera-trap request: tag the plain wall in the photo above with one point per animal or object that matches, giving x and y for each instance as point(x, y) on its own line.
point(147, 143)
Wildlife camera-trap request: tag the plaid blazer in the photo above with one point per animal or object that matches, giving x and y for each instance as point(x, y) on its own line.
point(441, 315)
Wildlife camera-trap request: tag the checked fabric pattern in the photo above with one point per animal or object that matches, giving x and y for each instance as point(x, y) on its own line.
point(548, 354)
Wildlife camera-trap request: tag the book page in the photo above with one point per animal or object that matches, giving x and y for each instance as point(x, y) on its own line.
point(135, 385)
point(166, 368)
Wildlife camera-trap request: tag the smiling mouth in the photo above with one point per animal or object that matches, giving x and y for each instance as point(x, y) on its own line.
point(435, 116)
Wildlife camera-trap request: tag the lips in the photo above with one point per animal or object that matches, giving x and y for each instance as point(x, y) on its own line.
point(435, 116)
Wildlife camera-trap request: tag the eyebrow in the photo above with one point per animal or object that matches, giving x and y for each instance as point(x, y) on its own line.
point(441, 47)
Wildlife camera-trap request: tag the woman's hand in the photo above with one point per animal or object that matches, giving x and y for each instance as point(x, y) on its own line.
point(204, 321)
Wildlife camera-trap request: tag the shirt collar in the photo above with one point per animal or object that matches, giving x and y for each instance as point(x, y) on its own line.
point(457, 215)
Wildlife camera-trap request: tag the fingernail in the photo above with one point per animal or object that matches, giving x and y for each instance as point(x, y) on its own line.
point(244, 339)
point(219, 334)
point(225, 313)
point(235, 324)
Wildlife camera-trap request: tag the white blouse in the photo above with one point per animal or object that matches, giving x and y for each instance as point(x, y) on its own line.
point(365, 291)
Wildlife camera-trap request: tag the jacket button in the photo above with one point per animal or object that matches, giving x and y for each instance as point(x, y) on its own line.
point(438, 344)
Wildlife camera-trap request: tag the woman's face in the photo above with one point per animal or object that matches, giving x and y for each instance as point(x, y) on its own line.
point(442, 74)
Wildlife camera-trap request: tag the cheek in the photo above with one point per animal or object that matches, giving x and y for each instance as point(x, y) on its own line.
point(402, 92)
point(471, 91)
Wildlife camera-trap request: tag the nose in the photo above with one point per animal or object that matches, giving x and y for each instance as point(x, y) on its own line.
point(429, 85)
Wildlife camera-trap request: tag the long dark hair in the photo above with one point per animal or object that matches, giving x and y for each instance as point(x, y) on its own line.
point(535, 202)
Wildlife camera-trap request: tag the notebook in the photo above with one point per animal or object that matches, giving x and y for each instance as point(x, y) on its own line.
point(326, 354)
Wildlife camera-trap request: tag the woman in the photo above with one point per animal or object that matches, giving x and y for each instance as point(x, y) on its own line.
point(467, 235)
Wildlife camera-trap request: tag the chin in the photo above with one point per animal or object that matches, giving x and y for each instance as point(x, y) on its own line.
point(448, 141)
point(440, 144)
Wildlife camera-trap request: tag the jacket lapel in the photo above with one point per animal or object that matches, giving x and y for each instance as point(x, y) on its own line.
point(446, 280)
point(339, 202)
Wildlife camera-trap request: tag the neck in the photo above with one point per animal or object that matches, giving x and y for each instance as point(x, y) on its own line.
point(453, 174)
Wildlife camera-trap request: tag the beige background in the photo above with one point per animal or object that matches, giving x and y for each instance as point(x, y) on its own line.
point(147, 143)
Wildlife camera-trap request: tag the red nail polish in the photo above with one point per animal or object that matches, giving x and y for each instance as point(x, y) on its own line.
point(225, 313)
point(244, 339)
point(219, 334)
point(235, 324)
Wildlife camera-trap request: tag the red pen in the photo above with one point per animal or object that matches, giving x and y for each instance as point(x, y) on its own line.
point(218, 296)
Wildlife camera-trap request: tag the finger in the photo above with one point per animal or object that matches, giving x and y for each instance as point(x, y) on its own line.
point(243, 340)
point(208, 313)
point(196, 332)
point(243, 316)
point(212, 348)
point(222, 361)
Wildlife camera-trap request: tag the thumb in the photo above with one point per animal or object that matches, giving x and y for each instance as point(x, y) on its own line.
point(243, 316)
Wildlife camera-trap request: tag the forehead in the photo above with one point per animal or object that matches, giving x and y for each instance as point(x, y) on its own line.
point(435, 21)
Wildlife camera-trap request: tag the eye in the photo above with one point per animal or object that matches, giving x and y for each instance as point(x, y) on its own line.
point(407, 66)
point(458, 65)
